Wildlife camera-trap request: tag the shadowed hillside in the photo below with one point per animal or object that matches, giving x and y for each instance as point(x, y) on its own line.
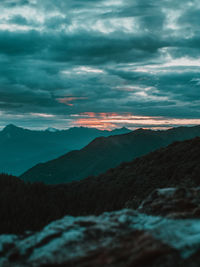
point(31, 206)
point(20, 148)
point(104, 153)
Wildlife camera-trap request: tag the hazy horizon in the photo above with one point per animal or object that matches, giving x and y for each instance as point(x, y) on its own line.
point(90, 127)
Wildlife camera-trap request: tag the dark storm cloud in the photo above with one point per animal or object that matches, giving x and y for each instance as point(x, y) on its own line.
point(91, 49)
point(83, 48)
point(18, 19)
point(190, 18)
point(13, 3)
point(20, 43)
point(106, 56)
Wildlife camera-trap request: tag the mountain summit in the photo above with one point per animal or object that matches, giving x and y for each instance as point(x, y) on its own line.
point(11, 128)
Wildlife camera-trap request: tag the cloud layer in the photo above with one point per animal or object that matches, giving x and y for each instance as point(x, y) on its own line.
point(62, 59)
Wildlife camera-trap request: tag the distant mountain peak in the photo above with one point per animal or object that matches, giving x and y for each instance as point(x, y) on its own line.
point(52, 130)
point(121, 130)
point(142, 130)
point(11, 127)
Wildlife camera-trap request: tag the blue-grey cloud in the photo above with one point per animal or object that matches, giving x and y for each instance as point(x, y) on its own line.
point(63, 58)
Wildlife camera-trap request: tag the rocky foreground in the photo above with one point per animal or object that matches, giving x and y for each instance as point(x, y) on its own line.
point(122, 238)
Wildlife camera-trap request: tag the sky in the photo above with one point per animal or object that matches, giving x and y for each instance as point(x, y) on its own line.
point(95, 63)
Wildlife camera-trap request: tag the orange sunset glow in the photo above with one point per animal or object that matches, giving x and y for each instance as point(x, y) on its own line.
point(109, 121)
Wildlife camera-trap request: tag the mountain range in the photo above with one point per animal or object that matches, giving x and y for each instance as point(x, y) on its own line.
point(33, 205)
point(20, 148)
point(104, 153)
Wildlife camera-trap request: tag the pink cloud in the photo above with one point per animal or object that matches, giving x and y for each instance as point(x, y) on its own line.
point(67, 100)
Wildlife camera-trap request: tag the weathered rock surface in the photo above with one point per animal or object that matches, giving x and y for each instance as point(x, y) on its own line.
point(172, 202)
point(123, 238)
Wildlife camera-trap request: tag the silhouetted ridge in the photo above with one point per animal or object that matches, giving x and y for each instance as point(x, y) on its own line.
point(31, 206)
point(104, 153)
point(21, 149)
point(12, 128)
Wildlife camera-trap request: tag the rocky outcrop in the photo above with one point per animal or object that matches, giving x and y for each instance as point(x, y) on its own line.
point(116, 239)
point(172, 202)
